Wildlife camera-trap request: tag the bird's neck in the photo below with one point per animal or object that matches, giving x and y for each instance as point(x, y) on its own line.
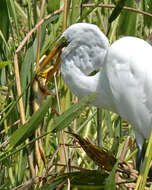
point(82, 85)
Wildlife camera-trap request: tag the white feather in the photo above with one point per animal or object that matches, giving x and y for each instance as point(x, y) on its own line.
point(124, 83)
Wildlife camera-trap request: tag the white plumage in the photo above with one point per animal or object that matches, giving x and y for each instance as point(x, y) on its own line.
point(124, 83)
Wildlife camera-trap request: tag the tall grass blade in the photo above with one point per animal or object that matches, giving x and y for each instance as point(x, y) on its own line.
point(72, 113)
point(28, 129)
point(117, 10)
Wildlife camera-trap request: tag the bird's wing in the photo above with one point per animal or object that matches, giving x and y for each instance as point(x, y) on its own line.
point(129, 71)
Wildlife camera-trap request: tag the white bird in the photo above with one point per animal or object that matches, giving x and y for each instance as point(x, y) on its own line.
point(124, 82)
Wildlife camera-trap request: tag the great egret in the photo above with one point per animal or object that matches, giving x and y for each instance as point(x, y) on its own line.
point(124, 82)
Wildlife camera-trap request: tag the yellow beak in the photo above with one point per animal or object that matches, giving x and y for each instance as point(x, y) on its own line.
point(57, 49)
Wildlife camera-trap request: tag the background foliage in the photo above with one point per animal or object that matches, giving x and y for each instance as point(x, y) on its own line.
point(40, 155)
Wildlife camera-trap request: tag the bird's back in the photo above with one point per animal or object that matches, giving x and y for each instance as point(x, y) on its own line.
point(129, 71)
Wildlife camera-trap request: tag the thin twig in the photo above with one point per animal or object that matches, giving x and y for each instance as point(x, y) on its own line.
point(69, 185)
point(113, 6)
point(73, 167)
point(39, 152)
point(18, 84)
point(60, 10)
point(65, 15)
point(39, 35)
point(62, 139)
point(14, 124)
point(59, 109)
point(27, 37)
point(61, 185)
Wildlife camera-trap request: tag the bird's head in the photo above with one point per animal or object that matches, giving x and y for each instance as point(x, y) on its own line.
point(81, 32)
point(78, 38)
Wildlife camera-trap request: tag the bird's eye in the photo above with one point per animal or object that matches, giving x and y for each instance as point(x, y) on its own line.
point(93, 73)
point(64, 43)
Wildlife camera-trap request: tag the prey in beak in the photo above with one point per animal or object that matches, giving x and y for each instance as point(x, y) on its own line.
point(57, 49)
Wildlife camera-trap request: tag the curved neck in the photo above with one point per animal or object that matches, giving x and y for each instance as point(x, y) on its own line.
point(82, 85)
point(85, 53)
point(78, 83)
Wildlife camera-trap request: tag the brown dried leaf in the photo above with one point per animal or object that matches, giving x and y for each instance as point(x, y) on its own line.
point(100, 156)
